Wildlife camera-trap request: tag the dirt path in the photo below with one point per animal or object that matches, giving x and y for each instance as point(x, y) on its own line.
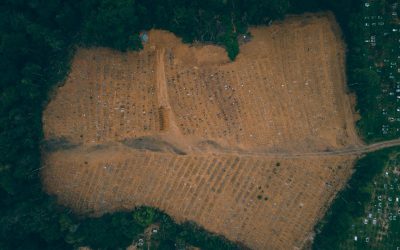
point(169, 129)
point(359, 150)
point(162, 92)
point(353, 150)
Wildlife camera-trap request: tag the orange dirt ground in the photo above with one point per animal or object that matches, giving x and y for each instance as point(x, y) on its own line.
point(181, 128)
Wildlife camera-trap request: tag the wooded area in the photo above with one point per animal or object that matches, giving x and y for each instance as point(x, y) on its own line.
point(350, 203)
point(37, 41)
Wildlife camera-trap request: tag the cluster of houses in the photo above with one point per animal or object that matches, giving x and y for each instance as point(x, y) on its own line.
point(383, 212)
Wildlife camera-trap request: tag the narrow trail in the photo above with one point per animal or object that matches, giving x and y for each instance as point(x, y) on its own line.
point(170, 131)
point(355, 150)
point(162, 92)
point(162, 95)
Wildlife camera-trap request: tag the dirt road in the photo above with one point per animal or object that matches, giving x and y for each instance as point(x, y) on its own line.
point(355, 150)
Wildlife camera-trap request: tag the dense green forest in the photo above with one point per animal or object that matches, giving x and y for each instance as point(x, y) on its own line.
point(37, 41)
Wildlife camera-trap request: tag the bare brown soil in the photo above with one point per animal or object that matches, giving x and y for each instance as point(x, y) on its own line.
point(284, 92)
point(253, 149)
point(246, 198)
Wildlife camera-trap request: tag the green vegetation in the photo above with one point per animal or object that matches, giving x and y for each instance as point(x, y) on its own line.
point(116, 24)
point(379, 226)
point(119, 230)
point(349, 209)
point(373, 68)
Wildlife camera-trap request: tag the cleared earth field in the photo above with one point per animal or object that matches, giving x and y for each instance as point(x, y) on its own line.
point(265, 202)
point(181, 128)
point(284, 92)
